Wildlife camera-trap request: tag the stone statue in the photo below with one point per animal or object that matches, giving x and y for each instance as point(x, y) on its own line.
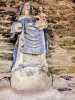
point(29, 71)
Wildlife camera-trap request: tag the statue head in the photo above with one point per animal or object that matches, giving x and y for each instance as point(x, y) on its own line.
point(26, 8)
point(41, 9)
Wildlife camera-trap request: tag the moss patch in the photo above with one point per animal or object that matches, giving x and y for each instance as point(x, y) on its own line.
point(62, 69)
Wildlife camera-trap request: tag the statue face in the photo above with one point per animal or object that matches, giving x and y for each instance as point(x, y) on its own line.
point(27, 6)
point(26, 9)
point(40, 8)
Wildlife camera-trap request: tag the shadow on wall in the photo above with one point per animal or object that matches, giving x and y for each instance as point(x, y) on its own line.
point(73, 1)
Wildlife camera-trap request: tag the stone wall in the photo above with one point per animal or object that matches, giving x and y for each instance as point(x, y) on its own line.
point(46, 1)
point(53, 1)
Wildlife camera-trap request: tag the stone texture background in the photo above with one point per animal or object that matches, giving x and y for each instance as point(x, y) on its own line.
point(61, 37)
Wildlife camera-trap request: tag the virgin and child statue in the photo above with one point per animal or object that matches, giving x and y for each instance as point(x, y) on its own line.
point(29, 70)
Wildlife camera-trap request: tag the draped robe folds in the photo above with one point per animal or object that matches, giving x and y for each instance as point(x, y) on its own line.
point(29, 58)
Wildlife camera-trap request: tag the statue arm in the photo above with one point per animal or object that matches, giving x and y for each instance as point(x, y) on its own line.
point(15, 29)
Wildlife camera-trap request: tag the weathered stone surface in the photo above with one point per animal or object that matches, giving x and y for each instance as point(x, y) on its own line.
point(61, 36)
point(60, 83)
